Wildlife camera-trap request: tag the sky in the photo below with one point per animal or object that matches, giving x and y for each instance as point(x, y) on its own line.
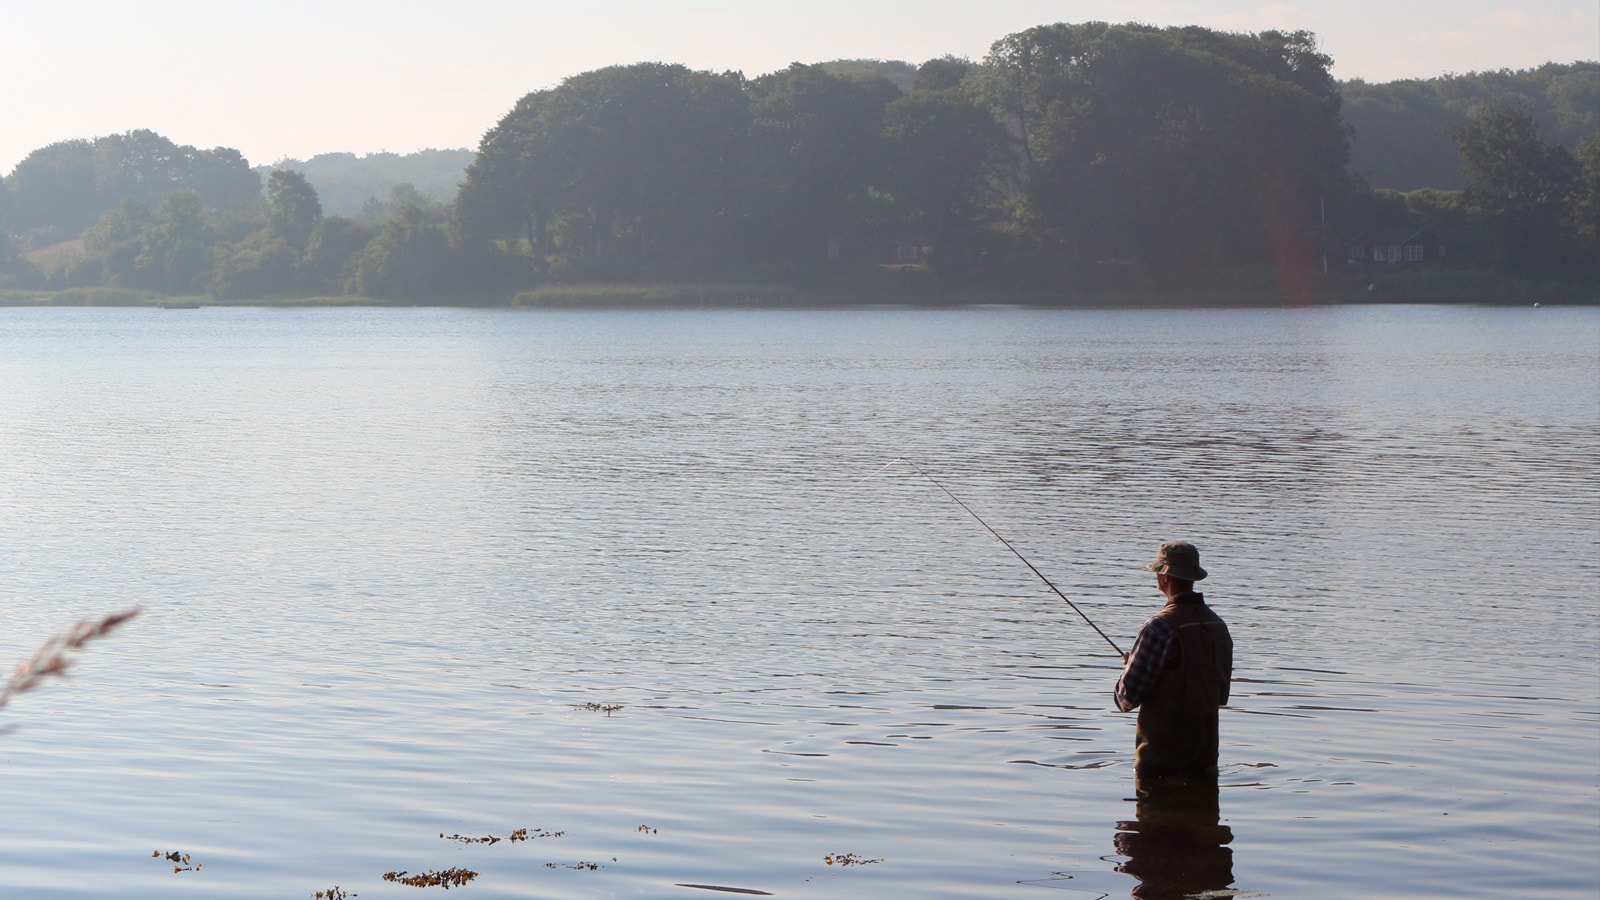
point(294, 78)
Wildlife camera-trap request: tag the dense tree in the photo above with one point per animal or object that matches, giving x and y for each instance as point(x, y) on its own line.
point(1178, 149)
point(163, 249)
point(1508, 166)
point(634, 161)
point(1585, 204)
point(327, 266)
point(502, 200)
point(167, 249)
point(941, 153)
point(943, 73)
point(659, 147)
point(177, 247)
point(293, 207)
point(1402, 129)
point(260, 265)
point(60, 189)
point(816, 149)
point(410, 259)
point(15, 269)
point(897, 72)
point(1524, 182)
point(116, 238)
point(298, 251)
point(54, 188)
point(223, 178)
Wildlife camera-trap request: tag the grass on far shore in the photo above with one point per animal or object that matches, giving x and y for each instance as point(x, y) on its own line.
point(661, 294)
point(1456, 286)
point(129, 297)
point(922, 289)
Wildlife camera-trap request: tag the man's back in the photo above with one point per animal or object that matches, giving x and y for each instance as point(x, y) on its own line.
point(1177, 732)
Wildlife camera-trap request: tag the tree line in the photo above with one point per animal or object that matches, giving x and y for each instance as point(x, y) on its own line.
point(360, 187)
point(1403, 129)
point(1072, 158)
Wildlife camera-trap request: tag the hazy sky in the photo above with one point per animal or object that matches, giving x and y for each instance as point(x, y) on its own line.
point(296, 78)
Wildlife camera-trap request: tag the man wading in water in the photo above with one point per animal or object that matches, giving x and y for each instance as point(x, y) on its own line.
point(1177, 673)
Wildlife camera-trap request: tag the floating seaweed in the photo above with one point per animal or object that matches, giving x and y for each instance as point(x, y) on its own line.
point(333, 893)
point(580, 865)
point(447, 878)
point(521, 834)
point(848, 859)
point(183, 862)
point(645, 829)
point(607, 708)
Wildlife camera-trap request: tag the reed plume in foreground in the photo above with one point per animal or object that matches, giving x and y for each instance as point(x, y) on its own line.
point(53, 656)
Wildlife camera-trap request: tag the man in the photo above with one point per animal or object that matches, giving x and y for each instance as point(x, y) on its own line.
point(1177, 673)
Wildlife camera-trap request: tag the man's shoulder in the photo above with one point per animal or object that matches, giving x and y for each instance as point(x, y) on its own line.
point(1155, 623)
point(1188, 612)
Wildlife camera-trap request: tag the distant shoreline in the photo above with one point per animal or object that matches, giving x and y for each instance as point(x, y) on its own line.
point(1440, 288)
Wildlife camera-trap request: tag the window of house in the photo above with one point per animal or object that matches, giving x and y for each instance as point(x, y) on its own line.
point(904, 252)
point(1394, 253)
point(1413, 253)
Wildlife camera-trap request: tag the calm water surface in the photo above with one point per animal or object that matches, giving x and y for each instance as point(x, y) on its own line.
point(387, 557)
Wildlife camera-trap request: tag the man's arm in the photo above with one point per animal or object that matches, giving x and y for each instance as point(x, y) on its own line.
point(1145, 662)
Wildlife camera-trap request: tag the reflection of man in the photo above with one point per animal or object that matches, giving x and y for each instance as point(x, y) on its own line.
point(1178, 672)
point(1177, 848)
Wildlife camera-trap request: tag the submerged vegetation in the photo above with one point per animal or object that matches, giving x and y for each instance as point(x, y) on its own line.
point(1074, 163)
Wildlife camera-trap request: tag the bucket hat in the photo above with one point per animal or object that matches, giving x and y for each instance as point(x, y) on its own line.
point(1179, 559)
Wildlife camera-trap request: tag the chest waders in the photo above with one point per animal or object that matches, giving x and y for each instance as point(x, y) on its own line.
point(1177, 731)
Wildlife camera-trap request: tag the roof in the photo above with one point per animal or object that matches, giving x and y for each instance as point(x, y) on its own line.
point(1390, 237)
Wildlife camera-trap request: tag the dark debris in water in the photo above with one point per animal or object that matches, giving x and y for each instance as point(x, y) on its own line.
point(183, 862)
point(333, 893)
point(607, 708)
point(521, 834)
point(580, 865)
point(848, 859)
point(446, 878)
point(724, 889)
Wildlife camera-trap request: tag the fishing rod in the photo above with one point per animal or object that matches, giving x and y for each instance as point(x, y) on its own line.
point(1001, 539)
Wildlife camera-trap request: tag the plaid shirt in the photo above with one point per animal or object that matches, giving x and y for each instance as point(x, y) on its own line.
point(1148, 658)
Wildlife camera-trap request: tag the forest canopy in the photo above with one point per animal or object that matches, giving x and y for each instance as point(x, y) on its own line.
point(1402, 129)
point(1072, 159)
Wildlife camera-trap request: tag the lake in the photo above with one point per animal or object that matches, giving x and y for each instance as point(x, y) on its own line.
point(665, 590)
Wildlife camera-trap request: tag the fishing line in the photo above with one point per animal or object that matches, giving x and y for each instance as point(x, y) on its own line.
point(806, 514)
point(999, 537)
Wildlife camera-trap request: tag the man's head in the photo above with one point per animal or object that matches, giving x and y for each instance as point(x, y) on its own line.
point(1177, 567)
